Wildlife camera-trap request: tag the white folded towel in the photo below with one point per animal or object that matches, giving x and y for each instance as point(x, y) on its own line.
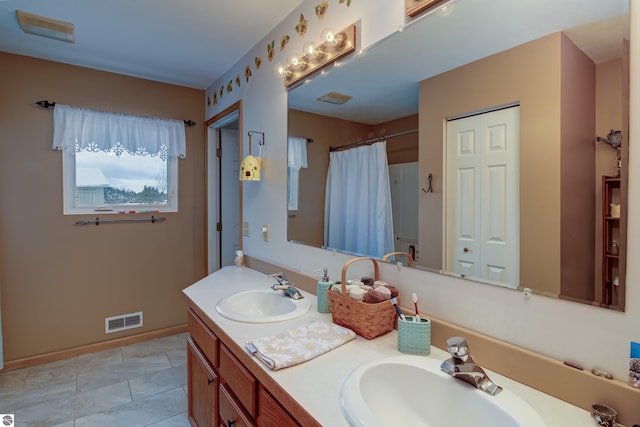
point(300, 344)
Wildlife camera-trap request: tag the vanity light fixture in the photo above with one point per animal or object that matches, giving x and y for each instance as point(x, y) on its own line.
point(415, 7)
point(46, 27)
point(251, 166)
point(334, 45)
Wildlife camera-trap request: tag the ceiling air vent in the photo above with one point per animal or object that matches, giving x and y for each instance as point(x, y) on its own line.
point(122, 322)
point(335, 98)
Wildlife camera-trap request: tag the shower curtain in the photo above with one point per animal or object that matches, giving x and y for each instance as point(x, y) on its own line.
point(358, 216)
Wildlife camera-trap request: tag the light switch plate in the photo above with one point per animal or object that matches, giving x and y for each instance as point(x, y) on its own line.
point(265, 232)
point(245, 229)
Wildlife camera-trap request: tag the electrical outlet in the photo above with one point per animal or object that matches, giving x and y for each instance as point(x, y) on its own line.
point(245, 229)
point(265, 232)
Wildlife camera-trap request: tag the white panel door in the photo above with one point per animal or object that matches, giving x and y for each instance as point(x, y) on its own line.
point(403, 179)
point(463, 202)
point(482, 200)
point(229, 196)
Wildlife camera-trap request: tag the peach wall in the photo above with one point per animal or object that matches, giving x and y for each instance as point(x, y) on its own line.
point(528, 74)
point(59, 281)
point(578, 112)
point(404, 148)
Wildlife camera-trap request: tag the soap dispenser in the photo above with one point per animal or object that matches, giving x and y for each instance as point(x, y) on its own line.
point(323, 285)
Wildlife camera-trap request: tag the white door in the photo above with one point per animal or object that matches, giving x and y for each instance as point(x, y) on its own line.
point(482, 199)
point(223, 192)
point(403, 180)
point(229, 196)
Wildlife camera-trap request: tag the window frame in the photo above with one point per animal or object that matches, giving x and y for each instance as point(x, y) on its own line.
point(69, 191)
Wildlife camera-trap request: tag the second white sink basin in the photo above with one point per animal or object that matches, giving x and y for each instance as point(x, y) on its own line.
point(261, 306)
point(412, 391)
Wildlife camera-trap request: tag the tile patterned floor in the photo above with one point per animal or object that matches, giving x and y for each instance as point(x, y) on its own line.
point(142, 384)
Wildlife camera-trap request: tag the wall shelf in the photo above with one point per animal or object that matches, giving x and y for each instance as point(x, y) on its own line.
point(611, 277)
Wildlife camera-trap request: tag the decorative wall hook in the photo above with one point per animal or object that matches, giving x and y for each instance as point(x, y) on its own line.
point(253, 132)
point(429, 182)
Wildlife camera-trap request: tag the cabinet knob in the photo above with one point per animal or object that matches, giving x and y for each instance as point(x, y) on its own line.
point(466, 250)
point(209, 381)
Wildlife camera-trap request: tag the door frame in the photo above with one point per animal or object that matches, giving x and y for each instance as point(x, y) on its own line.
point(232, 109)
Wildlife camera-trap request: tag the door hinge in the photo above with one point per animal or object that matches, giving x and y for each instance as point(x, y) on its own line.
point(219, 226)
point(219, 152)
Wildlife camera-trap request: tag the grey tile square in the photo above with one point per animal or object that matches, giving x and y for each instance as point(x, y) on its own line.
point(180, 420)
point(60, 410)
point(156, 346)
point(98, 388)
point(12, 401)
point(13, 380)
point(177, 357)
point(143, 412)
point(159, 381)
point(131, 368)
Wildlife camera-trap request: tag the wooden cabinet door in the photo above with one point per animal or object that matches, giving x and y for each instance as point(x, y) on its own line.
point(272, 414)
point(202, 388)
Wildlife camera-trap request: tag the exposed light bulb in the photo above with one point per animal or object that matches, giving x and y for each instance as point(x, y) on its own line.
point(294, 61)
point(309, 50)
point(281, 70)
point(328, 36)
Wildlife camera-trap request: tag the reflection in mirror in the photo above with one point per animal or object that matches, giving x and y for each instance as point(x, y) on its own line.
point(399, 258)
point(571, 87)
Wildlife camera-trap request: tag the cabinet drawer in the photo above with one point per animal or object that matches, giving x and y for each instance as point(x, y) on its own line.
point(239, 381)
point(272, 414)
point(202, 336)
point(230, 413)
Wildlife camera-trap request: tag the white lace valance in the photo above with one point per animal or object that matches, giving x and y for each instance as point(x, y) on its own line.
point(78, 129)
point(297, 153)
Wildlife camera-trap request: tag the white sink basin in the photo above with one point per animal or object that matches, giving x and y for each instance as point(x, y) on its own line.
point(412, 391)
point(261, 306)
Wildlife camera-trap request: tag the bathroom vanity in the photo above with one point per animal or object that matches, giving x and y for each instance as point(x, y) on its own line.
point(227, 386)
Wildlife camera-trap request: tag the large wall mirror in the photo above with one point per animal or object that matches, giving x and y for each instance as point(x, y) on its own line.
point(535, 92)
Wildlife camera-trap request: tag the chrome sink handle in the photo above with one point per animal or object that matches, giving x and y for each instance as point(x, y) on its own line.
point(459, 349)
point(280, 277)
point(462, 367)
point(287, 288)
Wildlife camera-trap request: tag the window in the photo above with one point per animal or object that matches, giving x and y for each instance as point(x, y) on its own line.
point(118, 163)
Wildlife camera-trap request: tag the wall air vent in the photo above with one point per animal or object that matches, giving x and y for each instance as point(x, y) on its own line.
point(122, 322)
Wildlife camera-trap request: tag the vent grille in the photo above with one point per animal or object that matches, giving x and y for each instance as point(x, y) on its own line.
point(122, 322)
point(335, 98)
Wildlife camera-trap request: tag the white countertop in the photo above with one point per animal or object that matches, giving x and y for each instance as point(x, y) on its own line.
point(316, 384)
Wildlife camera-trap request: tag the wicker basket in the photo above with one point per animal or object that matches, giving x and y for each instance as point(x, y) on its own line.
point(368, 320)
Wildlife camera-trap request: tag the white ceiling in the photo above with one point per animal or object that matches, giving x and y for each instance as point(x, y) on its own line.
point(384, 81)
point(185, 42)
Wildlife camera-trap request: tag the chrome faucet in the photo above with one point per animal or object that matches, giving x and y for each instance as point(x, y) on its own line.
point(461, 366)
point(285, 286)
